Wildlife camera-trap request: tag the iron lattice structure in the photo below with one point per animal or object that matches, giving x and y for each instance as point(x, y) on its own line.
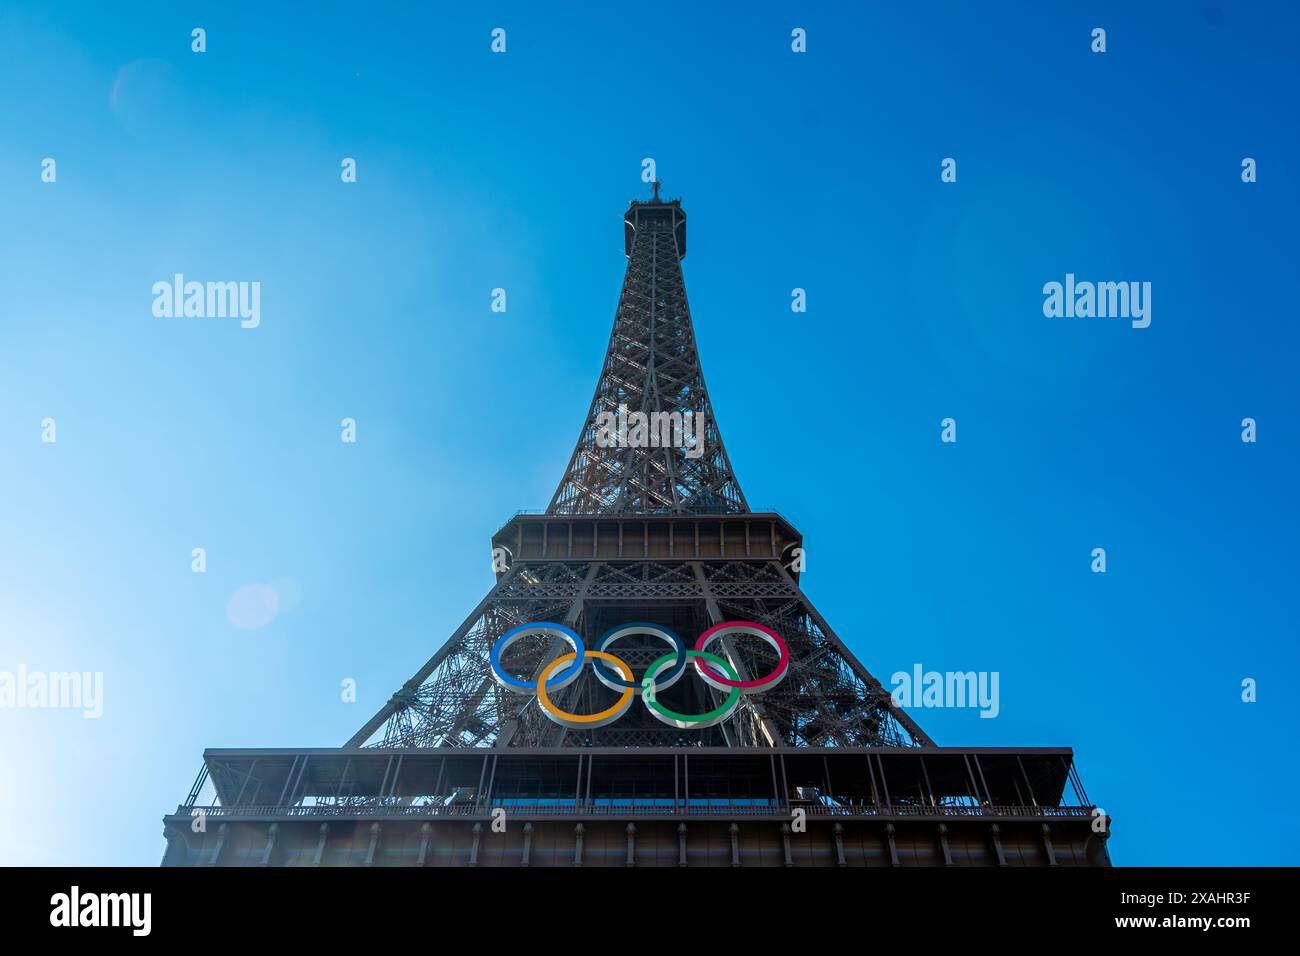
point(642, 533)
point(652, 365)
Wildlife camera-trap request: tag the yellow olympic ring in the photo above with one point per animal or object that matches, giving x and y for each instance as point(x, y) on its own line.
point(585, 721)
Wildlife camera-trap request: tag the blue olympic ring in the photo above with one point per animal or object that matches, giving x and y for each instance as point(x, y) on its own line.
point(527, 630)
point(606, 675)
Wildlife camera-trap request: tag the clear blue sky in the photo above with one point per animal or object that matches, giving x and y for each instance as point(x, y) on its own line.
point(820, 171)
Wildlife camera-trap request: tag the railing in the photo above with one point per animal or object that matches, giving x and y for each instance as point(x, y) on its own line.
point(989, 810)
point(373, 810)
point(534, 512)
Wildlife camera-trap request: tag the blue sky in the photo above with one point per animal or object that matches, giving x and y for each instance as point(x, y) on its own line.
point(818, 171)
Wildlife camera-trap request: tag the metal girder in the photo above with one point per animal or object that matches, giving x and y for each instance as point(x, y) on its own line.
point(828, 699)
point(651, 365)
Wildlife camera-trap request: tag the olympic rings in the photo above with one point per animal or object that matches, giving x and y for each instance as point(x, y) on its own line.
point(714, 670)
point(728, 628)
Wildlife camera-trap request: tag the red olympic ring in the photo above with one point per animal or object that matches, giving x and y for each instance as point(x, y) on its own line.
point(728, 628)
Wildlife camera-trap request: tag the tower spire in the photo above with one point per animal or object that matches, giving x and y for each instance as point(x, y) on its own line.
point(651, 444)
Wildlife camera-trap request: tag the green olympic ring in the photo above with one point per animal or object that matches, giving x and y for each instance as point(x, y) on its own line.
point(689, 721)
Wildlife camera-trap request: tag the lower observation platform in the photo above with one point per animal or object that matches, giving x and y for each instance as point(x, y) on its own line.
point(639, 807)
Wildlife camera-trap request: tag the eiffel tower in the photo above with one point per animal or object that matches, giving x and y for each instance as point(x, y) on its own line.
point(648, 542)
